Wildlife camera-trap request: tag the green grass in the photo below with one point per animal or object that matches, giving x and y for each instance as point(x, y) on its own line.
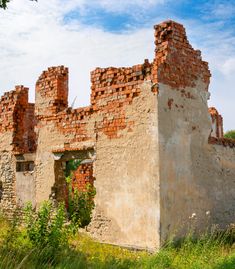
point(208, 252)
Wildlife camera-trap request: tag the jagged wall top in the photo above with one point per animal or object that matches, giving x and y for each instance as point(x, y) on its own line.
point(52, 91)
point(176, 63)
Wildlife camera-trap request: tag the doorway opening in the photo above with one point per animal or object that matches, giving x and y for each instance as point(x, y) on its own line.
point(74, 184)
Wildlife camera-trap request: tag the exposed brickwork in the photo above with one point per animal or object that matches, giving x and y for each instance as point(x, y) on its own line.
point(51, 92)
point(83, 176)
point(217, 122)
point(121, 84)
point(226, 142)
point(176, 63)
point(139, 121)
point(64, 149)
point(112, 89)
point(217, 135)
point(8, 104)
point(17, 116)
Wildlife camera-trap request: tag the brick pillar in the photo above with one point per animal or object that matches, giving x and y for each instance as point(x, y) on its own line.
point(17, 117)
point(176, 63)
point(52, 91)
point(217, 123)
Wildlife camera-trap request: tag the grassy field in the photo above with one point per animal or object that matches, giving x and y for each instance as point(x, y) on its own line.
point(16, 251)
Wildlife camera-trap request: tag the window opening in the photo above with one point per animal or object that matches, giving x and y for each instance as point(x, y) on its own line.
point(25, 166)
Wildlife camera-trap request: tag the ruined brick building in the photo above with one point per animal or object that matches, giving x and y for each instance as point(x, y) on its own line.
point(155, 152)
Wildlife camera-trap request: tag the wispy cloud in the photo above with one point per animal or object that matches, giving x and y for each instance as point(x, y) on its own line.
point(33, 37)
point(220, 9)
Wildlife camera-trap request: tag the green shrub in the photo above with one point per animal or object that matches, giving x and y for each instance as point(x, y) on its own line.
point(72, 165)
point(46, 226)
point(230, 134)
point(209, 251)
point(80, 204)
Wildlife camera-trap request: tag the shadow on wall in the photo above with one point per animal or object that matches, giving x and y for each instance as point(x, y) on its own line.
point(1, 191)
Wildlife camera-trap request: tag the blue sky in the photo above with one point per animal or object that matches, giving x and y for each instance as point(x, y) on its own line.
point(84, 34)
point(135, 16)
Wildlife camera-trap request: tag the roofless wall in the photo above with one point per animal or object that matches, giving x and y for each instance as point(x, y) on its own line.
point(155, 153)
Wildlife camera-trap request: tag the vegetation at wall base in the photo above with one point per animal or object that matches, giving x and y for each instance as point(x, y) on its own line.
point(210, 251)
point(80, 202)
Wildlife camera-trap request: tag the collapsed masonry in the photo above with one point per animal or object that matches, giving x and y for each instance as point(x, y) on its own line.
point(155, 152)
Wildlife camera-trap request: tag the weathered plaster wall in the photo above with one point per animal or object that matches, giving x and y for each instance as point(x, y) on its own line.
point(7, 177)
point(221, 169)
point(16, 137)
point(184, 128)
point(25, 188)
point(122, 169)
point(197, 176)
point(127, 183)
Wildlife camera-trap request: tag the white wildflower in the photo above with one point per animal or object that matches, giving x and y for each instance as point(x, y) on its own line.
point(193, 216)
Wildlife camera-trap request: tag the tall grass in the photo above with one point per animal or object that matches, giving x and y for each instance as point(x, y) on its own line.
point(210, 251)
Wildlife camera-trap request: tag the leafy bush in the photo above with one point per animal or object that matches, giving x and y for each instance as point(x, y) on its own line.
point(80, 204)
point(209, 251)
point(46, 226)
point(72, 165)
point(230, 134)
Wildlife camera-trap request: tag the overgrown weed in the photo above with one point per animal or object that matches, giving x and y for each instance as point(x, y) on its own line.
point(213, 250)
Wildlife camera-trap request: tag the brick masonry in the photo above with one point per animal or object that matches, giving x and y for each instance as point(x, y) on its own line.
point(136, 115)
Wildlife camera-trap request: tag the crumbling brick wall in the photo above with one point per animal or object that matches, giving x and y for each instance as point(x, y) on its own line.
point(17, 134)
point(153, 144)
point(217, 134)
point(52, 91)
point(217, 123)
point(83, 176)
point(196, 164)
point(176, 63)
point(17, 117)
point(7, 178)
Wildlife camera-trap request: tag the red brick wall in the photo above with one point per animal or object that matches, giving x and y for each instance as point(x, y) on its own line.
point(52, 91)
point(218, 121)
point(17, 116)
point(82, 176)
point(176, 63)
point(219, 139)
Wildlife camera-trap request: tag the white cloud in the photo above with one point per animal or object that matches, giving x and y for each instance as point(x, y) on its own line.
point(33, 37)
point(228, 67)
point(220, 9)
